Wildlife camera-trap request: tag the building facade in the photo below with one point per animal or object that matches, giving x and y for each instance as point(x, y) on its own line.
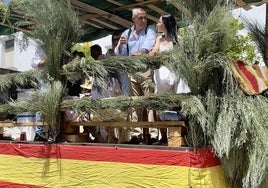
point(15, 54)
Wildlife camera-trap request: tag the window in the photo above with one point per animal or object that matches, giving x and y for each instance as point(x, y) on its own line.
point(9, 44)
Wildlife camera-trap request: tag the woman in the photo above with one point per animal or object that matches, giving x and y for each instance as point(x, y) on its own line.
point(165, 80)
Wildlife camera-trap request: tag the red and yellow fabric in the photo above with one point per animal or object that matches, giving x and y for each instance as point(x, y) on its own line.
point(59, 165)
point(252, 79)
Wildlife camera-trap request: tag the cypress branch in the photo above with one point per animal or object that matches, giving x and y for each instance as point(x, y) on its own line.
point(29, 78)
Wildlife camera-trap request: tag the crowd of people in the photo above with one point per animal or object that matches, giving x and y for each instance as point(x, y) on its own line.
point(135, 41)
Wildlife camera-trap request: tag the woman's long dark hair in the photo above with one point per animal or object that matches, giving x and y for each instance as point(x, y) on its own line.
point(171, 26)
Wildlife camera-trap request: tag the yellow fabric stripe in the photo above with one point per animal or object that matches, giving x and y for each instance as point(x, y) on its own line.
point(77, 173)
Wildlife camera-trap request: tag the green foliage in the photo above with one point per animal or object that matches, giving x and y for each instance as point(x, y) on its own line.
point(99, 70)
point(234, 127)
point(56, 29)
point(215, 36)
point(202, 7)
point(243, 46)
point(29, 78)
point(239, 139)
point(47, 102)
point(17, 107)
point(243, 49)
point(82, 47)
point(201, 55)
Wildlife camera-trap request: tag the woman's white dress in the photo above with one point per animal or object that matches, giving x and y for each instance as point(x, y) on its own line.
point(165, 80)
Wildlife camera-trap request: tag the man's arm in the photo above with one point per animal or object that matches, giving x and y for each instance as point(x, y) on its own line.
point(121, 48)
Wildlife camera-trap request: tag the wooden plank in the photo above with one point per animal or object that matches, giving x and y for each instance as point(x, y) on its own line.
point(88, 16)
point(150, 4)
point(157, 9)
point(14, 124)
point(130, 7)
point(115, 3)
point(243, 4)
point(93, 25)
point(156, 124)
point(177, 131)
point(105, 24)
point(133, 5)
point(13, 27)
point(176, 142)
point(111, 17)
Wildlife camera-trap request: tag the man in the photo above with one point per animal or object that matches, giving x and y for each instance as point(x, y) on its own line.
point(115, 39)
point(139, 39)
point(96, 52)
point(135, 41)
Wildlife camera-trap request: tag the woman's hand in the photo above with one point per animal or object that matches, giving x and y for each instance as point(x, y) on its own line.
point(152, 53)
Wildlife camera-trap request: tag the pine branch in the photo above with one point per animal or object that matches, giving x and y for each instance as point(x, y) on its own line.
point(18, 107)
point(56, 29)
point(29, 78)
point(191, 105)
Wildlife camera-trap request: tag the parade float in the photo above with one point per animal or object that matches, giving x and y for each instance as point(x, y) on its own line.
point(225, 113)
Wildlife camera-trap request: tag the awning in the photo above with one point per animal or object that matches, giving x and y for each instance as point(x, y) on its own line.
point(101, 17)
point(104, 16)
point(246, 4)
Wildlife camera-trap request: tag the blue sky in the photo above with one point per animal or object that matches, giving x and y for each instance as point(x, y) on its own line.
point(6, 1)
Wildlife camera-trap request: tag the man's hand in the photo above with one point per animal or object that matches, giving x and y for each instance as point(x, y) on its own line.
point(122, 41)
point(136, 54)
point(143, 51)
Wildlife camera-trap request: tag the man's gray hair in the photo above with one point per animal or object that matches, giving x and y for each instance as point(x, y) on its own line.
point(135, 11)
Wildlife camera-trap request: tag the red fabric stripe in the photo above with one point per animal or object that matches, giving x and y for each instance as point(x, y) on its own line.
point(251, 78)
point(203, 158)
point(16, 185)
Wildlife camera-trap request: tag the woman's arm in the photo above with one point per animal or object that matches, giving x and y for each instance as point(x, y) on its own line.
point(156, 46)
